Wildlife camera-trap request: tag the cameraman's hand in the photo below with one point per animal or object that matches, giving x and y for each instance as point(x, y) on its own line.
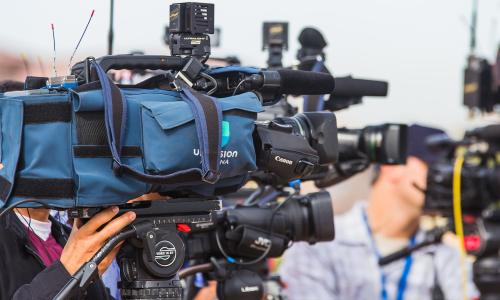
point(85, 240)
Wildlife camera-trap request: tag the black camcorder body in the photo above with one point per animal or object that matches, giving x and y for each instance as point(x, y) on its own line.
point(480, 173)
point(479, 195)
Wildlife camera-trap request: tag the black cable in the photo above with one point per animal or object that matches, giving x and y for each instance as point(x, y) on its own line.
point(263, 255)
point(205, 58)
point(206, 76)
point(238, 86)
point(258, 191)
point(206, 267)
point(14, 205)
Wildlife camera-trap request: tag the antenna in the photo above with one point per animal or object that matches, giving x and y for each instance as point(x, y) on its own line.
point(81, 37)
point(54, 53)
point(110, 32)
point(473, 27)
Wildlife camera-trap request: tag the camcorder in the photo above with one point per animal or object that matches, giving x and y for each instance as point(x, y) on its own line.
point(482, 84)
point(190, 133)
point(275, 41)
point(479, 196)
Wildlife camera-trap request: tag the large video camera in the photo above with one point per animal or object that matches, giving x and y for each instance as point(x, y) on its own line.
point(479, 194)
point(168, 233)
point(166, 237)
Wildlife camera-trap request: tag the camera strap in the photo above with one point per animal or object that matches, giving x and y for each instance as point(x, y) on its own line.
point(314, 102)
point(383, 278)
point(208, 118)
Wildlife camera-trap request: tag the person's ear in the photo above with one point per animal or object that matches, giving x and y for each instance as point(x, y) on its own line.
point(393, 174)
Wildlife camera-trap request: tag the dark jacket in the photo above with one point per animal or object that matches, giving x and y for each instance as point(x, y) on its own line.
point(23, 274)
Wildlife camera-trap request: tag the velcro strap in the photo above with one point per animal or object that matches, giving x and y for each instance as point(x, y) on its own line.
point(36, 113)
point(87, 151)
point(5, 186)
point(44, 188)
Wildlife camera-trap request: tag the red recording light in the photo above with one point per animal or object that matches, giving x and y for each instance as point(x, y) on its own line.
point(472, 242)
point(183, 228)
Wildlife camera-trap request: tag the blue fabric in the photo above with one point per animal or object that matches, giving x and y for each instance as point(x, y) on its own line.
point(46, 160)
point(158, 122)
point(11, 111)
point(201, 129)
point(220, 70)
point(164, 123)
point(115, 143)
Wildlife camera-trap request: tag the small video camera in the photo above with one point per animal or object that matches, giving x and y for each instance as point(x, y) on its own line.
point(190, 25)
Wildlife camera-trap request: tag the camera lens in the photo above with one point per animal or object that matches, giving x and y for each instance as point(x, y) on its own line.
point(384, 144)
point(302, 218)
point(319, 129)
point(311, 217)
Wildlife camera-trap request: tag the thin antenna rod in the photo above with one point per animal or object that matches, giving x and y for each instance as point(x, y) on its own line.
point(473, 27)
point(54, 52)
point(110, 32)
point(80, 40)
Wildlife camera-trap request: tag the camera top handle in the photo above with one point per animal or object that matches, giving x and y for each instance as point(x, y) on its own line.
point(84, 72)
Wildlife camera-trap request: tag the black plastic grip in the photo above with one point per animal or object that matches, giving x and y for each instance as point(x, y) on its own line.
point(296, 82)
point(353, 87)
point(128, 62)
point(140, 62)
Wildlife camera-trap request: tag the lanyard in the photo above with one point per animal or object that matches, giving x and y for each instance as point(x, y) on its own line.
point(383, 279)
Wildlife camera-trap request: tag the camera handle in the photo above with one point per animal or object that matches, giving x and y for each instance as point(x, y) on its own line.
point(89, 271)
point(87, 73)
point(433, 237)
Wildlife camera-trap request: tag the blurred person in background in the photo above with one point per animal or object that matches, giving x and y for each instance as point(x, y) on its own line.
point(348, 268)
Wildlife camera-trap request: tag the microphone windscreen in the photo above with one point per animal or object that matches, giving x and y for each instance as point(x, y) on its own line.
point(488, 133)
point(350, 87)
point(296, 82)
point(312, 38)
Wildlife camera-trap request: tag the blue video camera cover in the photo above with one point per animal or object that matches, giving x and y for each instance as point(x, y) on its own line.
point(97, 145)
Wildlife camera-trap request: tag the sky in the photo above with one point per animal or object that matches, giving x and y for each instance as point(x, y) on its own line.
point(419, 46)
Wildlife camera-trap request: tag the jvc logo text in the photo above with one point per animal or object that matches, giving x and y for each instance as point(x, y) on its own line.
point(262, 242)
